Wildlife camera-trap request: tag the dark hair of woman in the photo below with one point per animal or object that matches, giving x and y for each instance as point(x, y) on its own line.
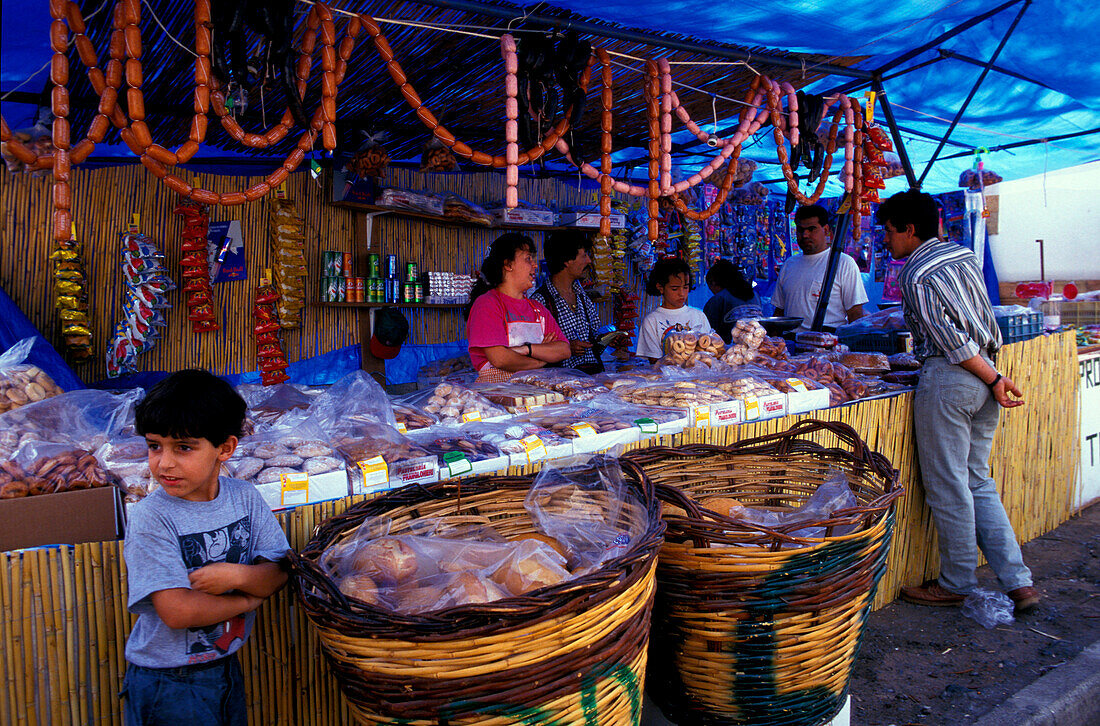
point(665, 269)
point(502, 251)
point(727, 276)
point(561, 246)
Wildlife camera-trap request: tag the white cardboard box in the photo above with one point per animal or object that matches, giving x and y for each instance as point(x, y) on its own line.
point(805, 401)
point(534, 217)
point(590, 219)
point(727, 414)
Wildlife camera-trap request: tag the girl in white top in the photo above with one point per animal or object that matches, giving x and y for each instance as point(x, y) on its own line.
point(671, 279)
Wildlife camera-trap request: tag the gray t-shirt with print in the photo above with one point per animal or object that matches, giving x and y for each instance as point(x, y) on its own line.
point(166, 539)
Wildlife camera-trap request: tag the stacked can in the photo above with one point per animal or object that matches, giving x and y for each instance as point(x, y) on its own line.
point(338, 284)
point(412, 289)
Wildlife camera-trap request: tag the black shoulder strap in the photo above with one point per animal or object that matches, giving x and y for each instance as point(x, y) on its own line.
point(551, 301)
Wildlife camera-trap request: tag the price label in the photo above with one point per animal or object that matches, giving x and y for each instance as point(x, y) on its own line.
point(471, 416)
point(583, 430)
point(295, 489)
point(647, 425)
point(702, 417)
point(135, 223)
point(280, 191)
point(375, 471)
point(534, 447)
point(870, 110)
point(457, 463)
point(752, 408)
point(402, 428)
point(797, 385)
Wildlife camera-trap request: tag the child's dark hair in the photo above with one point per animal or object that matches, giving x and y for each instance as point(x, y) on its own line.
point(727, 276)
point(561, 246)
point(911, 207)
point(665, 268)
point(191, 404)
point(501, 252)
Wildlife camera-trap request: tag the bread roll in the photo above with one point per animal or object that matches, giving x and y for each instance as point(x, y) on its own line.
point(522, 574)
point(726, 506)
point(360, 587)
point(468, 588)
point(387, 560)
point(547, 540)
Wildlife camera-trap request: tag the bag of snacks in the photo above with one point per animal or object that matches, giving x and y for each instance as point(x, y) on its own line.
point(84, 419)
point(581, 503)
point(265, 458)
point(22, 383)
point(39, 467)
point(866, 363)
point(127, 458)
point(268, 404)
point(686, 394)
point(409, 418)
point(517, 397)
point(679, 343)
point(451, 445)
point(454, 403)
point(355, 398)
point(573, 384)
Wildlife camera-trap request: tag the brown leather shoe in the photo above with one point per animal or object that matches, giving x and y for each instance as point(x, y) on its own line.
point(931, 593)
point(1026, 598)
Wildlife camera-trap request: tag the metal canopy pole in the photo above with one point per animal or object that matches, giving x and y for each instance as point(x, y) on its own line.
point(944, 52)
point(929, 45)
point(895, 132)
point(834, 261)
point(973, 91)
point(1029, 142)
point(633, 36)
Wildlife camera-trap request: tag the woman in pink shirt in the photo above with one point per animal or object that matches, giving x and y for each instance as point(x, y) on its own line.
point(507, 331)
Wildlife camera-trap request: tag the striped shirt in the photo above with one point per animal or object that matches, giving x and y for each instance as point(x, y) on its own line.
point(579, 323)
point(946, 304)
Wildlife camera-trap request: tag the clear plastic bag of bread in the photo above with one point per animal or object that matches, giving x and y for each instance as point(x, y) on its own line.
point(748, 333)
point(741, 383)
point(585, 504)
point(573, 384)
point(453, 403)
point(85, 419)
point(879, 321)
point(411, 417)
point(440, 562)
point(127, 458)
point(40, 467)
point(452, 441)
point(264, 457)
point(268, 404)
point(679, 342)
point(865, 363)
point(355, 398)
point(434, 156)
point(20, 382)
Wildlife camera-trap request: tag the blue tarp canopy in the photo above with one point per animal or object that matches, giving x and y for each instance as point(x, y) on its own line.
point(1043, 86)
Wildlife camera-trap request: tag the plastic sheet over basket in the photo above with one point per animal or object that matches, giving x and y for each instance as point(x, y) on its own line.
point(758, 625)
point(573, 653)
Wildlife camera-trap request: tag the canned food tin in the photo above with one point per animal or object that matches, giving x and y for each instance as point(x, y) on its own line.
point(341, 289)
point(378, 289)
point(360, 289)
point(328, 289)
point(372, 265)
point(419, 292)
point(411, 272)
point(393, 291)
point(330, 266)
point(905, 342)
point(408, 292)
point(391, 267)
point(347, 266)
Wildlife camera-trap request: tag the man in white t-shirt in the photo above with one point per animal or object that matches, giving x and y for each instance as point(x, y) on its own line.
point(799, 286)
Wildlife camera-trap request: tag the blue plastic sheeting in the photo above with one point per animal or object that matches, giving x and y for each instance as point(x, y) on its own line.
point(316, 371)
point(404, 367)
point(14, 326)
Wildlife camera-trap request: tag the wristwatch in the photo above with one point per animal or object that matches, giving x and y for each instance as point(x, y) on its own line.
point(529, 352)
point(993, 383)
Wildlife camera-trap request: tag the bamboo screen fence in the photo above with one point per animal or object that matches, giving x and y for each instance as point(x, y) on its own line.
point(63, 618)
point(105, 199)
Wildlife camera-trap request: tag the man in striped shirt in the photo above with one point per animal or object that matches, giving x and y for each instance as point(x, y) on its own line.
point(957, 404)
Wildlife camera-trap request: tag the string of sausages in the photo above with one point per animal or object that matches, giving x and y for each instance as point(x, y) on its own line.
point(59, 77)
point(653, 110)
point(606, 103)
point(511, 125)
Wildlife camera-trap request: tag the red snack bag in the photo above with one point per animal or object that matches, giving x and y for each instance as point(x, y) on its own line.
point(263, 312)
point(267, 339)
point(195, 299)
point(271, 350)
point(880, 138)
point(196, 284)
point(204, 326)
point(271, 364)
point(201, 312)
point(265, 327)
point(196, 271)
point(872, 154)
point(193, 259)
point(266, 295)
point(270, 378)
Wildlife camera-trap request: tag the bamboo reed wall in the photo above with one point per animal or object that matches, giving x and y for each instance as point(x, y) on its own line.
point(63, 619)
point(105, 199)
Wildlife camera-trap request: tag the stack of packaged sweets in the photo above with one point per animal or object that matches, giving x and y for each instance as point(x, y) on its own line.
point(270, 357)
point(196, 267)
point(71, 299)
point(288, 261)
point(147, 282)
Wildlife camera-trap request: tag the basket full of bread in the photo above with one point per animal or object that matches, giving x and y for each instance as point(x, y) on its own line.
point(479, 600)
point(773, 550)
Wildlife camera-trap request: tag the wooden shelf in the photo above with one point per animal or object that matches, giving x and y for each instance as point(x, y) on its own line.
point(443, 306)
point(442, 219)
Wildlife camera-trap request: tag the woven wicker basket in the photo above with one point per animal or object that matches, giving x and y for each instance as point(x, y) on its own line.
point(574, 653)
point(752, 625)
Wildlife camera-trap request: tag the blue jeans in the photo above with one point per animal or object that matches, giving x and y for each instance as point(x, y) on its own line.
point(955, 416)
point(211, 694)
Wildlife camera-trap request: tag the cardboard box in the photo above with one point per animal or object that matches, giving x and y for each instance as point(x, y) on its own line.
point(351, 189)
point(85, 515)
point(526, 217)
point(806, 401)
point(590, 219)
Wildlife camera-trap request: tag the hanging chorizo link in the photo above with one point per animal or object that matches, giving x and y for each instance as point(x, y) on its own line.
point(511, 125)
point(652, 93)
point(606, 102)
point(59, 77)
